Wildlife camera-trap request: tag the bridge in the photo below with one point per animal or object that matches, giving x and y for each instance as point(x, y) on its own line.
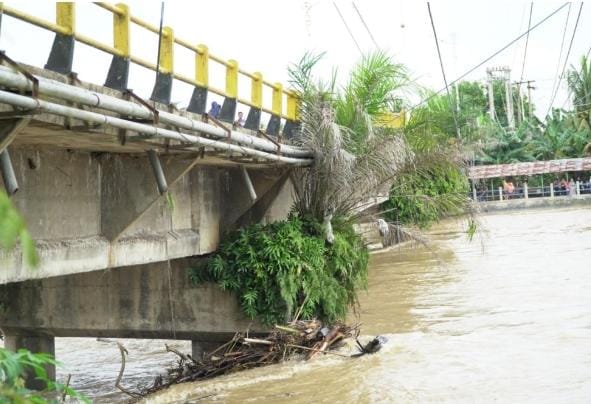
point(124, 194)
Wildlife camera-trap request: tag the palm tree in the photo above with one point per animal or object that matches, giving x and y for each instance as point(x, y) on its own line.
point(355, 159)
point(579, 84)
point(376, 85)
point(504, 146)
point(560, 138)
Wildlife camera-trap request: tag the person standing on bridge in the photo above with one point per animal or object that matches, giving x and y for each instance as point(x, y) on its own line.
point(214, 111)
point(239, 122)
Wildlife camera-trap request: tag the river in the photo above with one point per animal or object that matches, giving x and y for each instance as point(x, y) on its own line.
point(506, 318)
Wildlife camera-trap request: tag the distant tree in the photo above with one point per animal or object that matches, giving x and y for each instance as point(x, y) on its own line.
point(579, 84)
point(561, 137)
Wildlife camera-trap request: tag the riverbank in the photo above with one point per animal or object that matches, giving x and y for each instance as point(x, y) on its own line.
point(534, 203)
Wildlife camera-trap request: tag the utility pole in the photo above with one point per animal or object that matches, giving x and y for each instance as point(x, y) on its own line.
point(520, 115)
point(509, 98)
point(491, 95)
point(503, 74)
point(529, 88)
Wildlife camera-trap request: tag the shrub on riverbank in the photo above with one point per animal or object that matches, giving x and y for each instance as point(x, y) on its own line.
point(424, 197)
point(286, 268)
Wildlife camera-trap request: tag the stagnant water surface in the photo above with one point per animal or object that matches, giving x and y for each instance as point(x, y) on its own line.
point(506, 318)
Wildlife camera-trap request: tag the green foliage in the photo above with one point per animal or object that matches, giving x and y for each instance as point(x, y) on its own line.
point(280, 268)
point(374, 87)
point(434, 121)
point(170, 201)
point(579, 84)
point(12, 228)
point(14, 366)
point(560, 138)
point(423, 197)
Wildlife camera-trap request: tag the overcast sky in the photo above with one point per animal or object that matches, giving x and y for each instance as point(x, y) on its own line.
point(267, 35)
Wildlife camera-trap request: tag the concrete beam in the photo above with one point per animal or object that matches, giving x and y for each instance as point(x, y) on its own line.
point(127, 194)
point(274, 205)
point(9, 128)
point(144, 301)
point(237, 194)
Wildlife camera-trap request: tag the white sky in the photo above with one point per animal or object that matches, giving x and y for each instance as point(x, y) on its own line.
point(266, 35)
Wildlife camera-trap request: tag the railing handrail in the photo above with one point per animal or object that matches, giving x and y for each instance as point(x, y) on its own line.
point(65, 25)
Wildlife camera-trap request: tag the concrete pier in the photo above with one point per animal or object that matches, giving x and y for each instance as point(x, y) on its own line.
point(35, 344)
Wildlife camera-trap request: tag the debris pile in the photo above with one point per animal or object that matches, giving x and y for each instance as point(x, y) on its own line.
point(307, 338)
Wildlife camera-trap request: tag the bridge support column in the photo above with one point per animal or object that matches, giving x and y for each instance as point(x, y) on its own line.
point(35, 344)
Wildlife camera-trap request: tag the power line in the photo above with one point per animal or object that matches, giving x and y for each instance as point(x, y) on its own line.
point(346, 26)
point(492, 56)
point(560, 53)
point(561, 49)
point(531, 8)
point(365, 25)
point(565, 59)
point(451, 105)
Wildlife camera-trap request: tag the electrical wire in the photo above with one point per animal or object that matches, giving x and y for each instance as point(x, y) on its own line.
point(453, 109)
point(346, 26)
point(491, 56)
point(531, 8)
point(561, 49)
point(565, 59)
point(365, 25)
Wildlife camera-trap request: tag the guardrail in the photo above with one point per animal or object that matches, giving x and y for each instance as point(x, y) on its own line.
point(62, 55)
point(526, 192)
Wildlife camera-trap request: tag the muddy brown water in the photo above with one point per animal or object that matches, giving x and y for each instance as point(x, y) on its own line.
point(506, 319)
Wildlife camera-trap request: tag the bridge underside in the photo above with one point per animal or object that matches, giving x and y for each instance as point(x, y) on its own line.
point(92, 211)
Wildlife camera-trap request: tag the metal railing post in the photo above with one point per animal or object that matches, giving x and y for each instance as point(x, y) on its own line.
point(551, 190)
point(253, 120)
point(277, 107)
point(118, 75)
point(578, 187)
point(198, 103)
point(163, 86)
point(228, 111)
point(525, 190)
point(61, 56)
point(291, 123)
point(500, 193)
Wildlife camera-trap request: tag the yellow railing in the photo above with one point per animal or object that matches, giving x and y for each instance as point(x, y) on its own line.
point(122, 18)
point(393, 120)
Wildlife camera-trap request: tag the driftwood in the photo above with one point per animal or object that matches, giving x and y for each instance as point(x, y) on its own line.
point(304, 338)
point(118, 384)
point(245, 352)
